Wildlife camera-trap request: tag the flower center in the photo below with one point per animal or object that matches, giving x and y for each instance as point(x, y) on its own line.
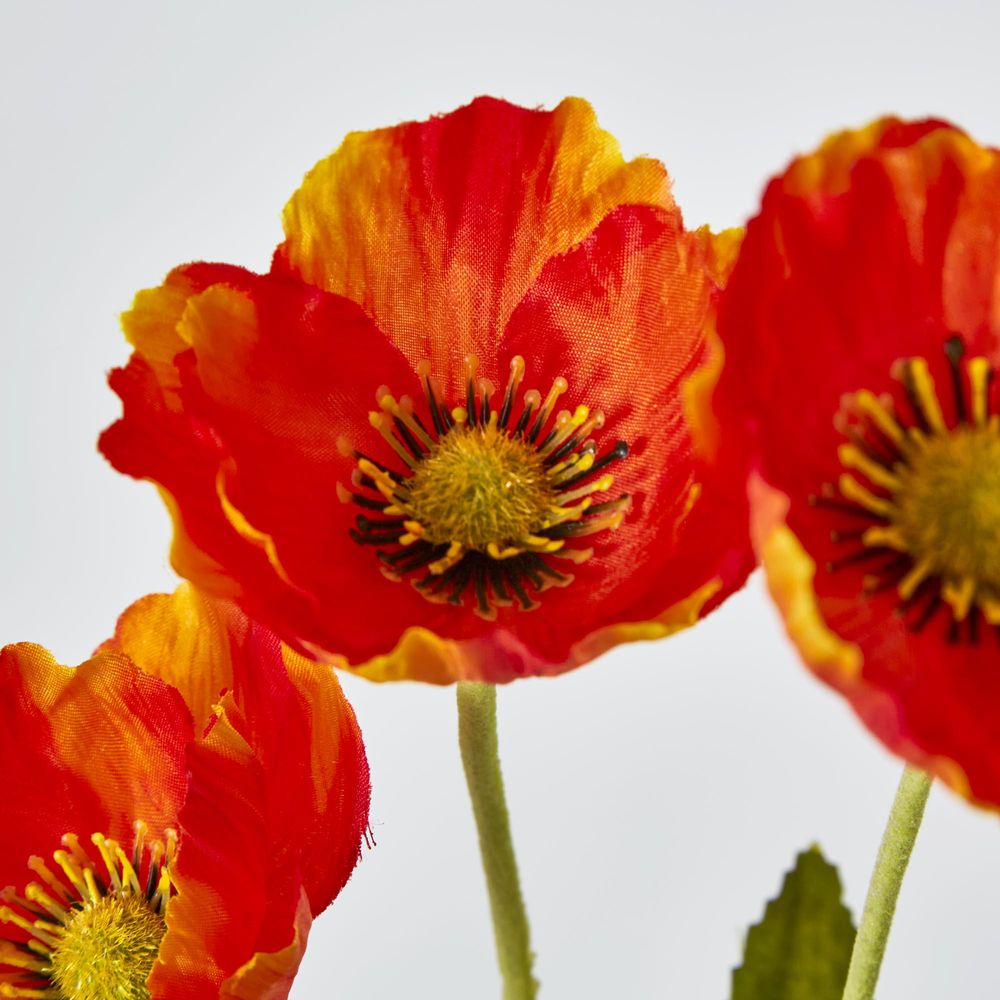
point(930, 489)
point(480, 485)
point(108, 950)
point(90, 930)
point(948, 506)
point(483, 502)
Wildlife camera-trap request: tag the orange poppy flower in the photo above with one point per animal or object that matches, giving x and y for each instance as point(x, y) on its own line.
point(189, 798)
point(366, 447)
point(861, 337)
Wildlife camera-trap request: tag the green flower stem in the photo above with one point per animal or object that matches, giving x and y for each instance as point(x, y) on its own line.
point(477, 738)
point(883, 890)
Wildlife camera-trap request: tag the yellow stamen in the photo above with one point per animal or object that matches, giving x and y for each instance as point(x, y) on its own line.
point(579, 465)
point(451, 557)
point(979, 380)
point(566, 425)
point(959, 595)
point(403, 411)
point(926, 395)
point(481, 504)
point(23, 992)
point(73, 873)
point(386, 484)
point(578, 556)
point(559, 515)
point(11, 955)
point(884, 537)
point(106, 849)
point(939, 503)
point(601, 485)
point(854, 491)
point(36, 895)
point(990, 607)
point(104, 935)
point(559, 386)
point(880, 414)
point(516, 375)
point(610, 521)
point(383, 425)
point(852, 457)
point(539, 544)
point(908, 585)
point(495, 552)
point(40, 929)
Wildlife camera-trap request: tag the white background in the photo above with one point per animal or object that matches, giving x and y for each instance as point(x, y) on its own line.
point(658, 794)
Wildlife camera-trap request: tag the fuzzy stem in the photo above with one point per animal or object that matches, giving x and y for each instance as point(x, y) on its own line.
point(883, 890)
point(477, 738)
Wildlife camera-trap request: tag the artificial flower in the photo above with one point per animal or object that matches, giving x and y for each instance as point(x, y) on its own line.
point(366, 447)
point(860, 330)
point(176, 810)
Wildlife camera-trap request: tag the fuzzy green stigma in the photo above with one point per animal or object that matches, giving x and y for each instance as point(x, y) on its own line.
point(947, 510)
point(108, 950)
point(480, 485)
point(930, 488)
point(88, 929)
point(483, 501)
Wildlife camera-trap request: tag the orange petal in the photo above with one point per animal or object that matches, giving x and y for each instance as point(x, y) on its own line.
point(290, 712)
point(125, 733)
point(151, 326)
point(338, 776)
point(222, 870)
point(185, 639)
point(43, 797)
point(443, 225)
point(84, 750)
point(625, 317)
point(790, 572)
point(269, 975)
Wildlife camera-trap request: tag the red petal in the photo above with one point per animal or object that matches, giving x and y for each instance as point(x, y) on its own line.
point(222, 873)
point(877, 247)
point(291, 712)
point(269, 975)
point(624, 318)
point(438, 228)
point(84, 751)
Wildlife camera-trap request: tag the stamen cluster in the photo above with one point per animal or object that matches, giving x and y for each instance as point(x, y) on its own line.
point(931, 495)
point(486, 500)
point(92, 929)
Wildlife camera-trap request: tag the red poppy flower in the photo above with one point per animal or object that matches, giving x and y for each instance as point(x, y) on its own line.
point(459, 277)
point(860, 331)
point(193, 834)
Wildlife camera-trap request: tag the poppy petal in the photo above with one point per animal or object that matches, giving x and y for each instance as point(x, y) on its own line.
point(288, 709)
point(221, 872)
point(105, 728)
point(628, 348)
point(269, 975)
point(881, 246)
point(458, 219)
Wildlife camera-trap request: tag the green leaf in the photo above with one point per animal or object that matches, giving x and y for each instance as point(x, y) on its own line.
point(802, 947)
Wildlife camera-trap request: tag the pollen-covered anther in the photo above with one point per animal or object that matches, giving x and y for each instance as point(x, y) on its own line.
point(929, 487)
point(488, 495)
point(90, 927)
